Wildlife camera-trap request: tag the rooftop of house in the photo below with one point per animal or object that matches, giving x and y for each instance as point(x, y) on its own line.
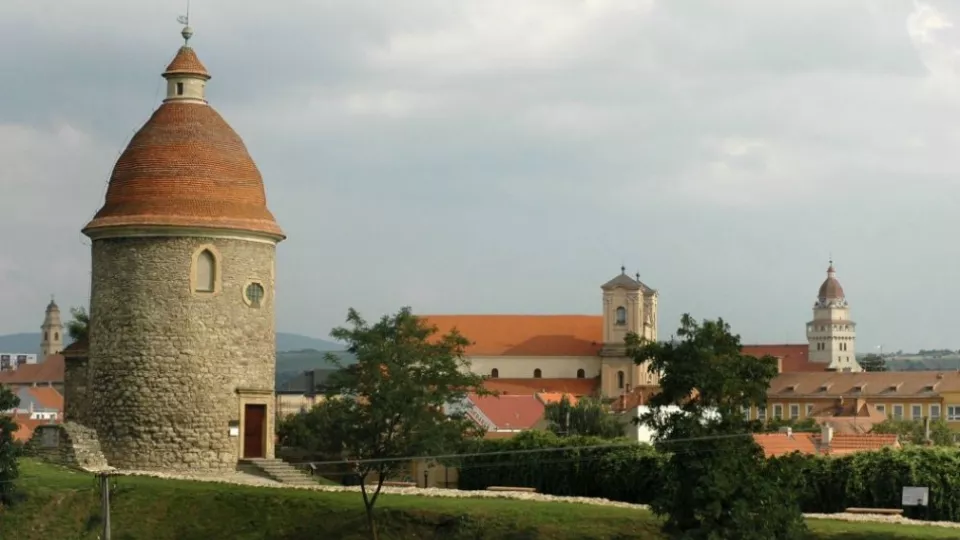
point(531, 387)
point(50, 370)
point(510, 412)
point(793, 357)
point(42, 398)
point(556, 397)
point(853, 416)
point(877, 384)
point(525, 335)
point(26, 426)
point(778, 444)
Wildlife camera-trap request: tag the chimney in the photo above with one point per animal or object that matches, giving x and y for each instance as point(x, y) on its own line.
point(623, 402)
point(787, 430)
point(826, 434)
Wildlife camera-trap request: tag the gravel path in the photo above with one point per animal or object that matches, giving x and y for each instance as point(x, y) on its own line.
point(251, 480)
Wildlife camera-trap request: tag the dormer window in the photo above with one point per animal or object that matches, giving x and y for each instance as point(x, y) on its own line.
point(825, 387)
point(860, 387)
point(179, 88)
point(621, 315)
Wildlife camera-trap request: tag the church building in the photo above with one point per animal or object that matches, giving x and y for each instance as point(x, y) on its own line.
point(580, 354)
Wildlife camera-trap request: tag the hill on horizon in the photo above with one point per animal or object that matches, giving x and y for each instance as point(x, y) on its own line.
point(29, 343)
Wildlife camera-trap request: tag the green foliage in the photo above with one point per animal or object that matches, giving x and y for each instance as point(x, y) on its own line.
point(588, 417)
point(873, 362)
point(575, 465)
point(714, 482)
point(874, 479)
point(807, 425)
point(9, 449)
point(390, 405)
point(913, 431)
point(79, 328)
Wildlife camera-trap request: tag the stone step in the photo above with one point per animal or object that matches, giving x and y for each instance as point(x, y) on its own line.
point(280, 471)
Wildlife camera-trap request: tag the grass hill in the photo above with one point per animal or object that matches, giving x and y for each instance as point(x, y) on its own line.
point(56, 503)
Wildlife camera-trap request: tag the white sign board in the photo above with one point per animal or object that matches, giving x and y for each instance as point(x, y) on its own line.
point(916, 496)
point(234, 431)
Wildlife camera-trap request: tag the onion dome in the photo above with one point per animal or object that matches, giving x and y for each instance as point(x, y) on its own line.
point(185, 168)
point(830, 289)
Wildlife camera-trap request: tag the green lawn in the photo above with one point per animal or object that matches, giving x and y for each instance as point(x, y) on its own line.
point(61, 504)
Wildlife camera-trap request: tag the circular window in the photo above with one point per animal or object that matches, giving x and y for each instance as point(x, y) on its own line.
point(254, 294)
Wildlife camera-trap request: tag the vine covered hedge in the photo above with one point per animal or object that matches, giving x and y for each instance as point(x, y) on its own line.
point(622, 472)
point(632, 473)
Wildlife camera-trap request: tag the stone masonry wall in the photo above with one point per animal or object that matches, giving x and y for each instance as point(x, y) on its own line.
point(166, 362)
point(75, 384)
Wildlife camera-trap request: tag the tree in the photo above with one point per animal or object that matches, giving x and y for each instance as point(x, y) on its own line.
point(9, 470)
point(914, 432)
point(587, 417)
point(808, 425)
point(715, 486)
point(873, 362)
point(79, 328)
point(394, 404)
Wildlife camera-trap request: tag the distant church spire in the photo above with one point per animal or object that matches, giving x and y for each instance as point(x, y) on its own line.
point(51, 337)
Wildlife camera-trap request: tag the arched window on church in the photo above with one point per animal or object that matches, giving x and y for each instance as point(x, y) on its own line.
point(621, 315)
point(581, 373)
point(56, 336)
point(537, 373)
point(620, 379)
point(206, 272)
point(46, 336)
point(494, 373)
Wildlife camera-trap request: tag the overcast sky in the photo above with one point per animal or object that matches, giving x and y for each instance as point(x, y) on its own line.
point(504, 156)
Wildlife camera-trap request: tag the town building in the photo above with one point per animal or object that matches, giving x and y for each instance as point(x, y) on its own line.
point(832, 334)
point(178, 372)
point(589, 348)
point(51, 331)
point(854, 402)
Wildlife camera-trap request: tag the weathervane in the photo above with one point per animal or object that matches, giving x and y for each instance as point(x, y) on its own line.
point(187, 32)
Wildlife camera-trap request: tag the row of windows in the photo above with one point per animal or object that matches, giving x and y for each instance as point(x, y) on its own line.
point(895, 411)
point(823, 328)
point(537, 374)
point(46, 336)
point(206, 278)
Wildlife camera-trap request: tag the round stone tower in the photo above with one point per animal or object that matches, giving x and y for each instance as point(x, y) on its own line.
point(182, 345)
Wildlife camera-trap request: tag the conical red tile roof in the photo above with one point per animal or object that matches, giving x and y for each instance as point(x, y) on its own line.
point(186, 167)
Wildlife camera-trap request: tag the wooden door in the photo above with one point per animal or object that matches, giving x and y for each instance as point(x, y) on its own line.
point(254, 427)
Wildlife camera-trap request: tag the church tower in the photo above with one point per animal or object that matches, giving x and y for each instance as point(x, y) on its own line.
point(831, 334)
point(182, 342)
point(629, 306)
point(51, 337)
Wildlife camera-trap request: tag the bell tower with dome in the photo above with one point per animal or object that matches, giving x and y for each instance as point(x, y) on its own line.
point(831, 334)
point(182, 342)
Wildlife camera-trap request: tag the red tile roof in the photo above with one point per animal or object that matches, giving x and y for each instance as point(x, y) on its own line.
point(793, 357)
point(47, 397)
point(778, 444)
point(186, 62)
point(510, 412)
point(843, 443)
point(531, 387)
point(48, 371)
point(637, 396)
point(186, 167)
point(526, 335)
point(556, 397)
point(26, 427)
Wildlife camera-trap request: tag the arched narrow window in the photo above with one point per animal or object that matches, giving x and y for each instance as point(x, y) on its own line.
point(621, 315)
point(537, 373)
point(494, 373)
point(46, 336)
point(581, 374)
point(206, 272)
point(56, 336)
point(620, 379)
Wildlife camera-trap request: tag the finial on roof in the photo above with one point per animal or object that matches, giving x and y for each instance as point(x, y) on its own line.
point(638, 276)
point(623, 269)
point(187, 32)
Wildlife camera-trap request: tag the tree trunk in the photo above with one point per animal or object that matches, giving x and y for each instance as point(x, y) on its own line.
point(368, 503)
